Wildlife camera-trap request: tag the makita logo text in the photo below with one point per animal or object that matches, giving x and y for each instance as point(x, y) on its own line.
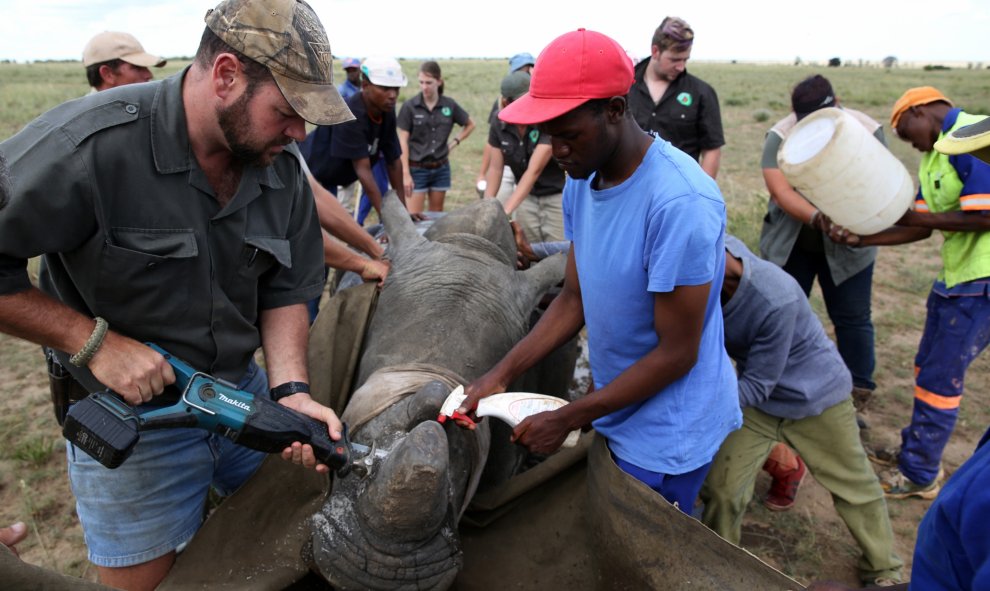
point(237, 403)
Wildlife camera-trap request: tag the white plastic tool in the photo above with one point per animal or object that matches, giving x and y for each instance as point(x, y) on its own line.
point(510, 407)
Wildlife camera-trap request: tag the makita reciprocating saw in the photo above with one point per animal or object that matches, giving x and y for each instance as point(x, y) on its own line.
point(107, 428)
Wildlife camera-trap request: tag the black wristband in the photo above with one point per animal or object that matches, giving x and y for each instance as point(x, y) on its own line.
point(288, 389)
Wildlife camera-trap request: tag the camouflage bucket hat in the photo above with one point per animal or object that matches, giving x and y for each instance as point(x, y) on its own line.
point(287, 37)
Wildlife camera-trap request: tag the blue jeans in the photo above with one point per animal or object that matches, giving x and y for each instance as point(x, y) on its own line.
point(848, 306)
point(430, 179)
point(153, 503)
point(381, 179)
point(680, 490)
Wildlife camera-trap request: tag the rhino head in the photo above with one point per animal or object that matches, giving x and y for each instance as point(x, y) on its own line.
point(453, 300)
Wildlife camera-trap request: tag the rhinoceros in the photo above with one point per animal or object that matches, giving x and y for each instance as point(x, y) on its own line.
point(454, 303)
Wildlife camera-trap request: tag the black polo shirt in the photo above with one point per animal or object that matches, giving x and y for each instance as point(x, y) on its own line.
point(330, 150)
point(429, 130)
point(518, 150)
point(686, 116)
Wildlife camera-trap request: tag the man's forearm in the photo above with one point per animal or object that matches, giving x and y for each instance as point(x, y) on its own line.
point(284, 338)
point(36, 317)
point(949, 221)
point(710, 161)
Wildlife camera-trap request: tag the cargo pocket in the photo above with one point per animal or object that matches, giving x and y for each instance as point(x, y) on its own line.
point(145, 276)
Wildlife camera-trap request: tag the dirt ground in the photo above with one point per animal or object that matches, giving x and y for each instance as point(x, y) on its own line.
point(809, 542)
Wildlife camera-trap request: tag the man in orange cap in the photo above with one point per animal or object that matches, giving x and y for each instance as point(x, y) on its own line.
point(954, 197)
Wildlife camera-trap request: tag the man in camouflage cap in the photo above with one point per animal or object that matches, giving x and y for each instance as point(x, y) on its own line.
point(175, 212)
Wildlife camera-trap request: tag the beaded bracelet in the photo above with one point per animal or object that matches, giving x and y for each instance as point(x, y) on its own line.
point(85, 355)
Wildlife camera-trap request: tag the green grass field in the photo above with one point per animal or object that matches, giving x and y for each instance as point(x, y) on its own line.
point(807, 543)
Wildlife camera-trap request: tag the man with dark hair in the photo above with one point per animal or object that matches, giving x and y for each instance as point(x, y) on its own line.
point(952, 197)
point(341, 155)
point(644, 270)
point(793, 388)
point(175, 213)
point(114, 59)
point(352, 78)
point(793, 239)
point(665, 99)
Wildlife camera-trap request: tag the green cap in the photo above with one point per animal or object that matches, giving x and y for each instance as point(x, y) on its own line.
point(515, 85)
point(287, 37)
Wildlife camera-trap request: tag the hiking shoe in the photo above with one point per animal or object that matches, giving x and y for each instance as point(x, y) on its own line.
point(783, 490)
point(881, 582)
point(885, 456)
point(861, 397)
point(897, 486)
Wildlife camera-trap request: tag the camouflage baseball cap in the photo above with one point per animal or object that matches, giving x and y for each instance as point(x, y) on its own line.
point(288, 38)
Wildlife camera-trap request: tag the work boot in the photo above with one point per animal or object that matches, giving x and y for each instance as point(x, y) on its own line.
point(883, 455)
point(861, 397)
point(897, 486)
point(783, 490)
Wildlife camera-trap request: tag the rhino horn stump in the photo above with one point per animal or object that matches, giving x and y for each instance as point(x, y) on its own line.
point(399, 531)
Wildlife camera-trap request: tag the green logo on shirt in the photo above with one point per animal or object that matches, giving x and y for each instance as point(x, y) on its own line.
point(534, 136)
point(685, 99)
point(445, 111)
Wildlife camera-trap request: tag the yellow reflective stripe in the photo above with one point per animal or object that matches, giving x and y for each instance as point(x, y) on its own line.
point(936, 400)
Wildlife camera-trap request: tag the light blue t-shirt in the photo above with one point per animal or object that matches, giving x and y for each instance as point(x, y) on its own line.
point(661, 228)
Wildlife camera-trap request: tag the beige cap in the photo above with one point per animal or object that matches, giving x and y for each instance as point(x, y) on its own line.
point(288, 38)
point(114, 45)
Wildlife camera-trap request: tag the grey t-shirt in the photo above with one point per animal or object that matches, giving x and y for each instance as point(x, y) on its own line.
point(787, 367)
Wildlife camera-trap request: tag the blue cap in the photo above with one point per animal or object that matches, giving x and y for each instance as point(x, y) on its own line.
point(350, 62)
point(520, 60)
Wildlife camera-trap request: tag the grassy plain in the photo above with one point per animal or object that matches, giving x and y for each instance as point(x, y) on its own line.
point(809, 542)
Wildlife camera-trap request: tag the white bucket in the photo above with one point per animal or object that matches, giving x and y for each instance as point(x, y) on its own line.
point(840, 167)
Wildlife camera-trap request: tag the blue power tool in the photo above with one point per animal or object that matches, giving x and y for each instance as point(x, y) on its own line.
point(107, 428)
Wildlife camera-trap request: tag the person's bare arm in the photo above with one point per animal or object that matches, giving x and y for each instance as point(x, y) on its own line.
point(394, 169)
point(890, 237)
point(710, 161)
point(407, 181)
point(130, 368)
point(562, 320)
point(496, 166)
point(949, 221)
point(537, 162)
point(362, 167)
point(284, 339)
point(339, 256)
point(788, 199)
point(335, 219)
point(678, 318)
point(486, 158)
point(463, 135)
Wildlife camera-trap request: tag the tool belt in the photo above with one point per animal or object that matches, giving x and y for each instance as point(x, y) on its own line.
point(427, 164)
point(64, 388)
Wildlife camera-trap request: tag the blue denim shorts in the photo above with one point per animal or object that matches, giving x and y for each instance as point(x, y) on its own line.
point(430, 179)
point(153, 503)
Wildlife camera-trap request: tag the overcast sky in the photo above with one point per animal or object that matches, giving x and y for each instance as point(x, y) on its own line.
point(776, 30)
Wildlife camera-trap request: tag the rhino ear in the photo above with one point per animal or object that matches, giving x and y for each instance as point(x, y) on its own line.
point(401, 230)
point(545, 274)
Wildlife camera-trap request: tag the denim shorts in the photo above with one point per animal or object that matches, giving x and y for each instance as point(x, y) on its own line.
point(154, 502)
point(430, 179)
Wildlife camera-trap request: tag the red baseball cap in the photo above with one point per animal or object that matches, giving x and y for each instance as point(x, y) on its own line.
point(575, 68)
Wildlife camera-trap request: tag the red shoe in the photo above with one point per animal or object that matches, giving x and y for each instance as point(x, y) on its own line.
point(783, 490)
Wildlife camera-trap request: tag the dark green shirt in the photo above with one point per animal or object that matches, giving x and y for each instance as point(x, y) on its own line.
point(108, 189)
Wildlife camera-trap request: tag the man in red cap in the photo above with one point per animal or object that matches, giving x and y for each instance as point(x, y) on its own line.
point(644, 271)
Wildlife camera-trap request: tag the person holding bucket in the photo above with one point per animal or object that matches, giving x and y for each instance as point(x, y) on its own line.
point(793, 238)
point(954, 197)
